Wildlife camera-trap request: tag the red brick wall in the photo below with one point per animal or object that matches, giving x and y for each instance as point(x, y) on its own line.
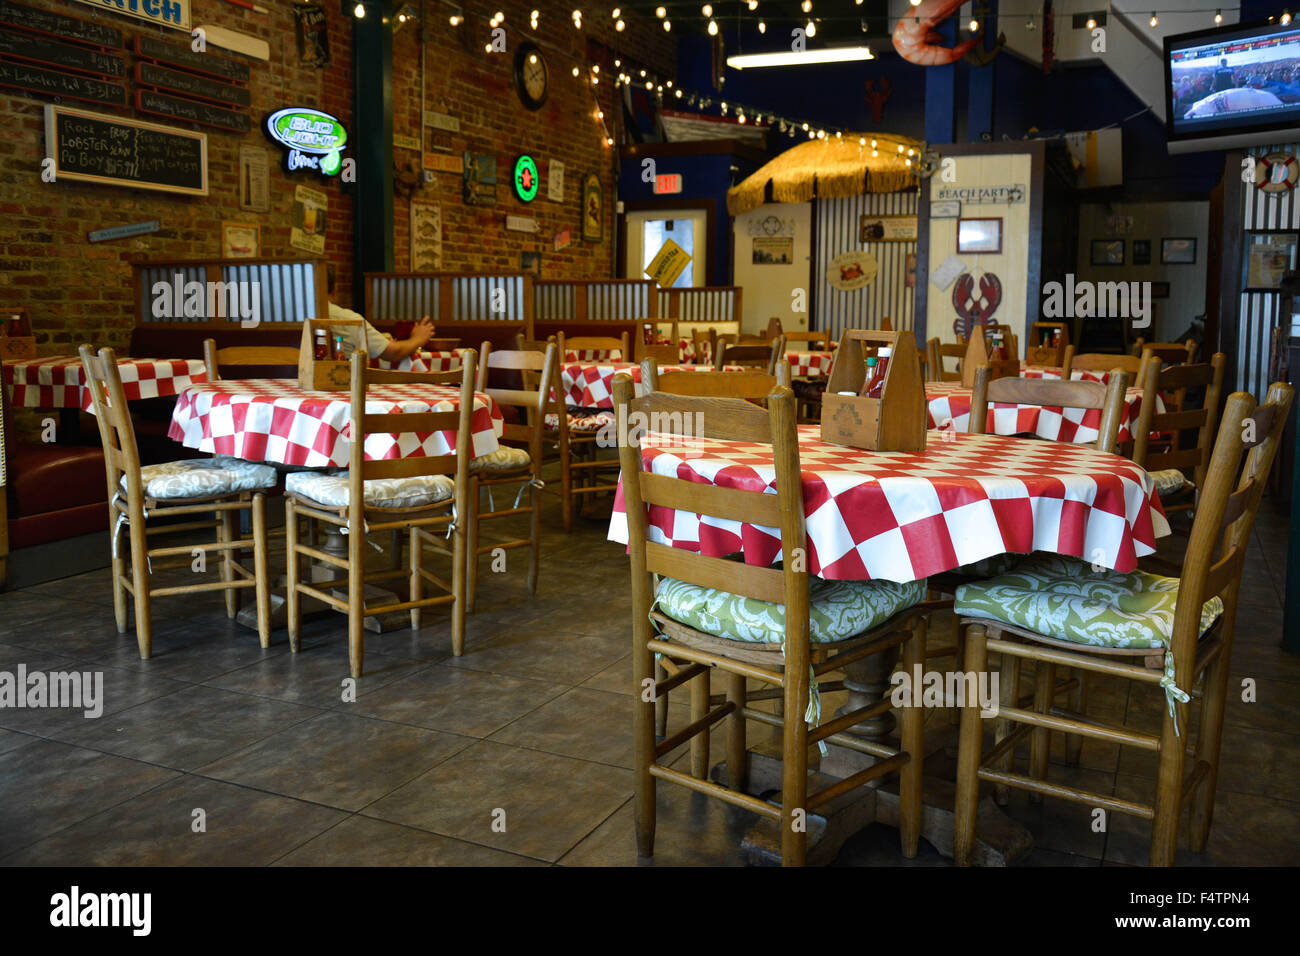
point(77, 291)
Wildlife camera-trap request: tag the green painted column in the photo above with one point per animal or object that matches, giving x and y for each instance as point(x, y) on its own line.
point(372, 136)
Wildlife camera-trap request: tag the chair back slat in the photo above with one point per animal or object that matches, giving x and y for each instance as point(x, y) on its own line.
point(246, 356)
point(699, 384)
point(1154, 381)
point(1103, 362)
point(595, 343)
point(729, 503)
point(1174, 458)
point(112, 415)
point(387, 376)
point(726, 418)
point(399, 423)
point(415, 467)
point(1050, 393)
point(765, 584)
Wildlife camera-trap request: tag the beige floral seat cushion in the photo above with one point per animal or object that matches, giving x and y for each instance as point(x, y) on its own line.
point(1169, 481)
point(504, 459)
point(839, 609)
point(581, 421)
point(204, 478)
point(334, 491)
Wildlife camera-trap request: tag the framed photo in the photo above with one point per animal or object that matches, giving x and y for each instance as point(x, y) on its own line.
point(240, 240)
point(1269, 254)
point(887, 229)
point(1177, 252)
point(976, 236)
point(531, 262)
point(593, 209)
point(1141, 252)
point(773, 250)
point(946, 209)
point(1160, 290)
point(1107, 252)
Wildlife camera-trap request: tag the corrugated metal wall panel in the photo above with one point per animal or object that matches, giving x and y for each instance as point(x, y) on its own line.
point(837, 232)
point(1258, 315)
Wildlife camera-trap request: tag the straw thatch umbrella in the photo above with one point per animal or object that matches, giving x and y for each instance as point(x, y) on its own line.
point(830, 168)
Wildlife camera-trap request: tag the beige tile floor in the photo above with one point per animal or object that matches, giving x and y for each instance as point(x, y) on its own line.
point(517, 753)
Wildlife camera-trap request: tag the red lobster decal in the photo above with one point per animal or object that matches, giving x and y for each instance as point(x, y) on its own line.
point(973, 309)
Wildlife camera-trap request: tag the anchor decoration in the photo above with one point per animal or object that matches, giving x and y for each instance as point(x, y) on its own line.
point(975, 308)
point(981, 55)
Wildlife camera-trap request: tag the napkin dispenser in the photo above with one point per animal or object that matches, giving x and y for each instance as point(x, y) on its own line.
point(16, 338)
point(893, 422)
point(326, 375)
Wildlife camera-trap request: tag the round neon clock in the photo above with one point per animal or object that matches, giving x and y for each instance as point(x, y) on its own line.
point(526, 179)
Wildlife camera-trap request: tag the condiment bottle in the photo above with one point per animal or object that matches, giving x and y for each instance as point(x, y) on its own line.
point(15, 324)
point(882, 367)
point(870, 380)
point(647, 335)
point(339, 354)
point(321, 349)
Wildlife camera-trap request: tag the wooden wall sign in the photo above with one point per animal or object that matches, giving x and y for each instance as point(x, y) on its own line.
point(163, 13)
point(31, 20)
point(190, 86)
point(36, 79)
point(115, 151)
point(440, 163)
point(192, 111)
point(480, 179)
point(124, 232)
point(180, 55)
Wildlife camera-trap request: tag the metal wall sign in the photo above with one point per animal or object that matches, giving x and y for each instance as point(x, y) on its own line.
point(165, 13)
point(979, 194)
point(313, 35)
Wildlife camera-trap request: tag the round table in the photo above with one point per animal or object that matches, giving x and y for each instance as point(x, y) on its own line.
point(949, 402)
point(276, 420)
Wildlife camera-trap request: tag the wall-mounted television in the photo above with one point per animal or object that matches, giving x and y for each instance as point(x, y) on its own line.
point(1234, 86)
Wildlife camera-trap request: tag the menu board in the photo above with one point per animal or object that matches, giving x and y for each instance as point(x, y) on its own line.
point(37, 79)
point(147, 101)
point(56, 25)
point(91, 147)
point(16, 45)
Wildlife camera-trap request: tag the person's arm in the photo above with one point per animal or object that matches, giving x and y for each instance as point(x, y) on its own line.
point(398, 349)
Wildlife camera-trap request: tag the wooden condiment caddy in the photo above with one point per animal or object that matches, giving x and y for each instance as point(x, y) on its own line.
point(16, 338)
point(977, 354)
point(893, 422)
point(328, 375)
point(1050, 355)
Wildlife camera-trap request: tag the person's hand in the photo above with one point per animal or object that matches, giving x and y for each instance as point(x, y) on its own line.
point(422, 332)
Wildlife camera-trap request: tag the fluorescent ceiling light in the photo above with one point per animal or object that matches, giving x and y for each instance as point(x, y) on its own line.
point(842, 54)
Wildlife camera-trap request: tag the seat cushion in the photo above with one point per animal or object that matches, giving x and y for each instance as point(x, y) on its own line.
point(504, 459)
point(839, 609)
point(1169, 481)
point(334, 491)
point(1064, 599)
point(581, 421)
point(204, 477)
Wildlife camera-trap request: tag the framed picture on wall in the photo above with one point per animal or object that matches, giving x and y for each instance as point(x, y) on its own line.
point(1106, 252)
point(240, 240)
point(1141, 252)
point(1178, 251)
point(593, 209)
point(1268, 254)
point(975, 236)
point(887, 229)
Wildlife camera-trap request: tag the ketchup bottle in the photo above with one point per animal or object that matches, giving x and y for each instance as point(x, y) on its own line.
point(882, 368)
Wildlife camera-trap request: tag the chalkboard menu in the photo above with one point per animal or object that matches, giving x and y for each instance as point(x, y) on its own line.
point(152, 48)
point(38, 49)
point(58, 25)
point(191, 111)
point(187, 84)
point(91, 147)
point(54, 83)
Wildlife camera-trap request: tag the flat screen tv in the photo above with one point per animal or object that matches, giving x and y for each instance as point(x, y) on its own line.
point(1234, 86)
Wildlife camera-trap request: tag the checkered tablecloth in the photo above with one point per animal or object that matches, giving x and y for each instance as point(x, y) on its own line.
point(810, 364)
point(276, 420)
point(591, 385)
point(593, 355)
point(427, 362)
point(903, 516)
point(1076, 375)
point(61, 382)
point(949, 401)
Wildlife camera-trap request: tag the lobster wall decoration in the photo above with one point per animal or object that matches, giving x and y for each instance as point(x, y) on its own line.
point(917, 38)
point(975, 308)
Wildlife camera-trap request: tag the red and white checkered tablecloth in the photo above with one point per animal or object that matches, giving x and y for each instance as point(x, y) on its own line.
point(1076, 375)
point(949, 401)
point(60, 382)
point(591, 385)
point(427, 362)
point(903, 516)
point(810, 364)
point(593, 355)
point(276, 420)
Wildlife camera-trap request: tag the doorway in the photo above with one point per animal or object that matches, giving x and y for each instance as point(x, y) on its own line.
point(648, 231)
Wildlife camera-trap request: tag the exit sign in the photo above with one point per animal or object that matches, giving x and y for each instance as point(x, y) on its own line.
point(668, 183)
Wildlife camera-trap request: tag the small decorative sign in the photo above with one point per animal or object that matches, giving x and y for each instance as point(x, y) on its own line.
point(401, 141)
point(593, 209)
point(254, 179)
point(852, 270)
point(531, 262)
point(444, 164)
point(562, 240)
point(165, 13)
point(313, 139)
point(308, 232)
point(426, 236)
point(442, 121)
point(313, 34)
point(668, 264)
point(525, 178)
point(122, 232)
point(887, 229)
point(771, 225)
point(981, 194)
point(480, 179)
point(948, 209)
point(240, 240)
point(521, 224)
point(555, 181)
point(772, 250)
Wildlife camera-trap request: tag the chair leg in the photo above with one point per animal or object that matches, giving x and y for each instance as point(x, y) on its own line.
point(458, 576)
point(1078, 704)
point(1169, 788)
point(737, 762)
point(912, 740)
point(141, 580)
point(643, 733)
point(566, 482)
point(417, 583)
point(700, 742)
point(534, 535)
point(293, 600)
point(661, 702)
point(794, 770)
point(120, 611)
point(356, 592)
point(1208, 743)
point(227, 531)
point(261, 571)
point(1008, 695)
point(969, 751)
point(471, 543)
point(1040, 738)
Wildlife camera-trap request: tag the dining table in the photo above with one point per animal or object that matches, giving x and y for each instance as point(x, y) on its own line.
point(590, 385)
point(427, 361)
point(907, 516)
point(948, 406)
point(816, 364)
point(60, 381)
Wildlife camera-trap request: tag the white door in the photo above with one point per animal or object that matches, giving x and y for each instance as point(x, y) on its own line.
point(648, 230)
point(773, 259)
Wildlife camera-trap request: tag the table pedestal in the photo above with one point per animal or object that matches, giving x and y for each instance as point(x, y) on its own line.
point(1000, 840)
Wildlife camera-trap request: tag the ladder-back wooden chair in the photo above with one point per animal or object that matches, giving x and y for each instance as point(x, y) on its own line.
point(705, 343)
point(1101, 363)
point(511, 465)
point(414, 494)
point(206, 493)
point(936, 352)
point(754, 385)
point(1169, 353)
point(807, 341)
point(594, 348)
point(1163, 632)
point(246, 357)
point(573, 436)
point(785, 654)
point(1051, 393)
point(1165, 460)
point(764, 356)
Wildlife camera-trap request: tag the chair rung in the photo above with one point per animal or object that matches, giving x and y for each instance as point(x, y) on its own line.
point(330, 599)
point(735, 797)
point(1194, 779)
point(1118, 735)
point(504, 513)
point(681, 677)
point(190, 549)
point(197, 588)
point(324, 557)
point(693, 728)
point(851, 719)
point(1021, 782)
point(1009, 742)
point(504, 545)
point(183, 526)
point(853, 781)
point(682, 652)
point(1039, 652)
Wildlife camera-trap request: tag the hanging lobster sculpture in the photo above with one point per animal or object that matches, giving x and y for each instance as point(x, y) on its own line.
point(974, 308)
point(918, 41)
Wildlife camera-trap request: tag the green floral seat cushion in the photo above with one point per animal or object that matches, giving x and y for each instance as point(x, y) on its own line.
point(839, 609)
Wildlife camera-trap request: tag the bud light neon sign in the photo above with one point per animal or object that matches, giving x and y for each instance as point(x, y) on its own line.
point(313, 139)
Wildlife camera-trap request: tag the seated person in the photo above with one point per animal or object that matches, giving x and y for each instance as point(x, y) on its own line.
point(377, 344)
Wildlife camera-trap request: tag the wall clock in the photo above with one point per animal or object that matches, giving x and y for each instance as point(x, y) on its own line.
point(532, 79)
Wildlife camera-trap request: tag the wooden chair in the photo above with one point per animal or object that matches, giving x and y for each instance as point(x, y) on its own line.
point(765, 356)
point(1169, 353)
point(754, 385)
point(510, 465)
point(936, 352)
point(807, 341)
point(1050, 393)
point(414, 494)
point(1178, 651)
point(192, 490)
point(1101, 362)
point(705, 342)
point(698, 653)
point(773, 330)
point(534, 345)
point(603, 347)
point(246, 356)
point(1166, 464)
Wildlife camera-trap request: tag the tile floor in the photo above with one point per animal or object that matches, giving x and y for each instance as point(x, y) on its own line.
point(517, 753)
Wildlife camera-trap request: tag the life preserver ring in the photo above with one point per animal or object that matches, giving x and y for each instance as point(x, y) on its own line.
point(1277, 172)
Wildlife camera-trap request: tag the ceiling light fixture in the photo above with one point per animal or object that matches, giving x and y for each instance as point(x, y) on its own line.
point(843, 54)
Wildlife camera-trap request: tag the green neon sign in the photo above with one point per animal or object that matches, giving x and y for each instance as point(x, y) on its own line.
point(526, 179)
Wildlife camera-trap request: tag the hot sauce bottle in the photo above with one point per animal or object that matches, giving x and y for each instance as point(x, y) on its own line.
point(870, 381)
point(877, 387)
point(321, 349)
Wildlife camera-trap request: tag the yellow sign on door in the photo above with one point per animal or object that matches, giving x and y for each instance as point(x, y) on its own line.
point(668, 264)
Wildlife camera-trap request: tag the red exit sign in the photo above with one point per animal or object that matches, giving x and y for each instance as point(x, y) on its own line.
point(668, 183)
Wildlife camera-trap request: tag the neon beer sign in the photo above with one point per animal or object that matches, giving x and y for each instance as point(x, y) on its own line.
point(313, 139)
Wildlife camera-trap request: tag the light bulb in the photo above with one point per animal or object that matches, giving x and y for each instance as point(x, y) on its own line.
point(915, 3)
point(707, 10)
point(740, 118)
point(576, 71)
point(661, 12)
point(862, 141)
point(900, 147)
point(679, 94)
point(806, 6)
point(713, 28)
point(753, 4)
point(974, 26)
point(1218, 16)
point(619, 25)
point(1286, 17)
point(1154, 21)
point(762, 27)
point(359, 11)
point(873, 144)
point(668, 25)
point(454, 20)
point(810, 29)
point(615, 13)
